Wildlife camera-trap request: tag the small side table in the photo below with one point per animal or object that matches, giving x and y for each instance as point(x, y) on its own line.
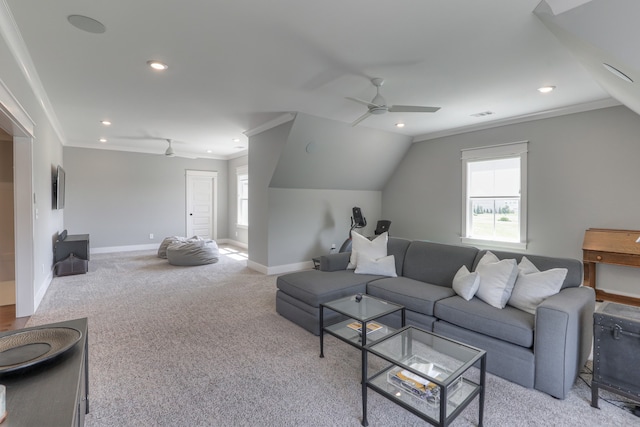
point(435, 359)
point(616, 339)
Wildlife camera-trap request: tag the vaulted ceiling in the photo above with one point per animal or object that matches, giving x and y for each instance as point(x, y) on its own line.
point(234, 65)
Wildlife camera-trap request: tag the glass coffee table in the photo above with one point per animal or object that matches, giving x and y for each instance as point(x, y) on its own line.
point(423, 373)
point(362, 311)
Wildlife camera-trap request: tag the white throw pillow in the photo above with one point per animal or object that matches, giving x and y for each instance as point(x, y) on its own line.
point(496, 279)
point(488, 258)
point(385, 266)
point(376, 248)
point(465, 283)
point(527, 267)
point(533, 288)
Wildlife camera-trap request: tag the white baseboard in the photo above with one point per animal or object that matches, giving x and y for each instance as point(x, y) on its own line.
point(154, 246)
point(233, 243)
point(110, 249)
point(279, 269)
point(37, 298)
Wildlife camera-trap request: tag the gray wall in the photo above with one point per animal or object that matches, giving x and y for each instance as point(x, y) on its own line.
point(305, 223)
point(326, 154)
point(236, 234)
point(47, 154)
point(264, 152)
point(119, 198)
point(582, 173)
point(289, 224)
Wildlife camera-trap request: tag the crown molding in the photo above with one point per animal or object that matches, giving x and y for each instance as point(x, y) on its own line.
point(563, 111)
point(13, 38)
point(14, 118)
point(284, 118)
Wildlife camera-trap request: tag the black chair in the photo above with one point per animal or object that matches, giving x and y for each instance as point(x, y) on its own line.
point(382, 226)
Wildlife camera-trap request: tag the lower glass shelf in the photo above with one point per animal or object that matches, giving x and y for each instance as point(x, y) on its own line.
point(346, 331)
point(459, 391)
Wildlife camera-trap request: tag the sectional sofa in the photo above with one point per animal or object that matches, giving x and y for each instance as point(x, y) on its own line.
point(542, 349)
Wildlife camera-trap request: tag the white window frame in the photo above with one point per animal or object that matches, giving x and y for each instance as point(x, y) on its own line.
point(242, 173)
point(495, 152)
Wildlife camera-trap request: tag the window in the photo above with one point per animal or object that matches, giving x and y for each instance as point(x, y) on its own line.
point(243, 196)
point(495, 195)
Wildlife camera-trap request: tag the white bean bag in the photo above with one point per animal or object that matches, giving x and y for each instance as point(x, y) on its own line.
point(193, 252)
point(162, 250)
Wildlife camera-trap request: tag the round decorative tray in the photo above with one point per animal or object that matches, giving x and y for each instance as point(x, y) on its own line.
point(27, 348)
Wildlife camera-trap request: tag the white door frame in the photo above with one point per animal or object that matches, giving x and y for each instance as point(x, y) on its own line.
point(16, 122)
point(214, 209)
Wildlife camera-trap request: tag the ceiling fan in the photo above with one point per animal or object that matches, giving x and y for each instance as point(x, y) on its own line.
point(169, 152)
point(378, 105)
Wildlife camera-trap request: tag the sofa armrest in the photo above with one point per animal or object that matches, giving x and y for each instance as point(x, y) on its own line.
point(563, 339)
point(335, 262)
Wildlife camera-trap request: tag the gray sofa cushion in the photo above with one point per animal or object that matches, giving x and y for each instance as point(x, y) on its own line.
point(414, 295)
point(436, 263)
point(398, 248)
point(573, 266)
point(508, 324)
point(315, 287)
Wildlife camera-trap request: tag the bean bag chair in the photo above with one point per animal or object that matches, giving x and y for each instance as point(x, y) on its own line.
point(193, 252)
point(162, 250)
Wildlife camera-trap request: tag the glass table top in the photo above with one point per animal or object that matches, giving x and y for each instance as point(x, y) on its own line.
point(367, 309)
point(424, 353)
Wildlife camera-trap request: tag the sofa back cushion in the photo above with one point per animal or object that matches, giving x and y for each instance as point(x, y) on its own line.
point(398, 248)
point(436, 263)
point(543, 263)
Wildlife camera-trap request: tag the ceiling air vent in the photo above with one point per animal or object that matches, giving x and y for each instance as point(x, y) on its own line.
point(482, 114)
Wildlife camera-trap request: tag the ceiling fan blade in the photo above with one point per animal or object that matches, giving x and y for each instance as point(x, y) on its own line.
point(361, 118)
point(412, 109)
point(360, 101)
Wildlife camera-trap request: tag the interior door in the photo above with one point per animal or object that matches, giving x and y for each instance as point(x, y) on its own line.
point(201, 204)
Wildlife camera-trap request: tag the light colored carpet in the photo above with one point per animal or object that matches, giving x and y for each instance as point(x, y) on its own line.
point(203, 346)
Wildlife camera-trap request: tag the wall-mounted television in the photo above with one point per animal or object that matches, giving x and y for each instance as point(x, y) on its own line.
point(58, 188)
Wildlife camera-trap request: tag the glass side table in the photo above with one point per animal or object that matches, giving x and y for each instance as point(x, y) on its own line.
point(424, 375)
point(361, 310)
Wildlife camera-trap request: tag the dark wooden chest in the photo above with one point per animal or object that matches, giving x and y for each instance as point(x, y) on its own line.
point(616, 351)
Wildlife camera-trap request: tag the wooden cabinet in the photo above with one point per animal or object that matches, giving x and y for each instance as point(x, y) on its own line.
point(54, 392)
point(607, 246)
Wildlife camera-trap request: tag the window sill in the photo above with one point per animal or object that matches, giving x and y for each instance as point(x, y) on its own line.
point(242, 226)
point(493, 244)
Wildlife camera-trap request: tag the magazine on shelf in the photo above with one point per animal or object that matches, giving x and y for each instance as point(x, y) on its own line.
point(371, 327)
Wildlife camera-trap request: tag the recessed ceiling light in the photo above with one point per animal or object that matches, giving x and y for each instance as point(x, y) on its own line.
point(103, 139)
point(613, 70)
point(236, 139)
point(209, 151)
point(546, 89)
point(87, 24)
point(157, 65)
point(106, 122)
point(399, 125)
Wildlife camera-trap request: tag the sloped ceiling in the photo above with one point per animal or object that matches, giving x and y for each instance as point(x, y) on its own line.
point(327, 154)
point(234, 65)
point(600, 32)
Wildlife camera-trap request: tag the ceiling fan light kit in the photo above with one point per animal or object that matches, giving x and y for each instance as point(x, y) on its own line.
point(378, 105)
